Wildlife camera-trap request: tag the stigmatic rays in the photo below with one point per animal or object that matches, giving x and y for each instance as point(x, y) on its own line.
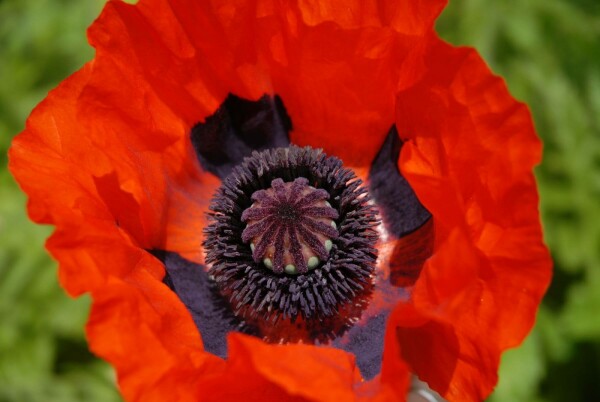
point(290, 226)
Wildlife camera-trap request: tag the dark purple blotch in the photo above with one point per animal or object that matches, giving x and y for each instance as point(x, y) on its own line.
point(209, 311)
point(237, 128)
point(366, 343)
point(401, 210)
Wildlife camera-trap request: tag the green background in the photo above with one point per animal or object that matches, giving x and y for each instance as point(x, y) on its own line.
point(547, 50)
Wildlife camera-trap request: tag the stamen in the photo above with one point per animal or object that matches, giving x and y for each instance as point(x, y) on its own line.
point(291, 245)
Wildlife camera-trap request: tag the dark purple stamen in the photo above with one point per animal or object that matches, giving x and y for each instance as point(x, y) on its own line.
point(291, 244)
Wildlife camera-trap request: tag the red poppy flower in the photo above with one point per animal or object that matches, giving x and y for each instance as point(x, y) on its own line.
point(125, 156)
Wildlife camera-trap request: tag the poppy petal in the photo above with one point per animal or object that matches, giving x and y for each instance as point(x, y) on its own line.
point(468, 154)
point(317, 78)
point(410, 18)
point(138, 325)
point(141, 327)
point(263, 372)
point(306, 61)
point(50, 168)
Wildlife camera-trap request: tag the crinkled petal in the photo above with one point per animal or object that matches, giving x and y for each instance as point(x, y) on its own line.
point(105, 157)
point(336, 68)
point(405, 17)
point(258, 371)
point(141, 327)
point(469, 156)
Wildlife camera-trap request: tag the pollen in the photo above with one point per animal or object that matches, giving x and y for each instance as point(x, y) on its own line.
point(290, 226)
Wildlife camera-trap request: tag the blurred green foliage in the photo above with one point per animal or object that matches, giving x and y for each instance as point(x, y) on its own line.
point(43, 352)
point(549, 53)
point(547, 50)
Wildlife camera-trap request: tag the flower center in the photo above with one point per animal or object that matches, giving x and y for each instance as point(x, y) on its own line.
point(290, 226)
point(291, 244)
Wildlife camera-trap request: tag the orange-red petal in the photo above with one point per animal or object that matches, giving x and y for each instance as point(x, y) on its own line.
point(469, 156)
